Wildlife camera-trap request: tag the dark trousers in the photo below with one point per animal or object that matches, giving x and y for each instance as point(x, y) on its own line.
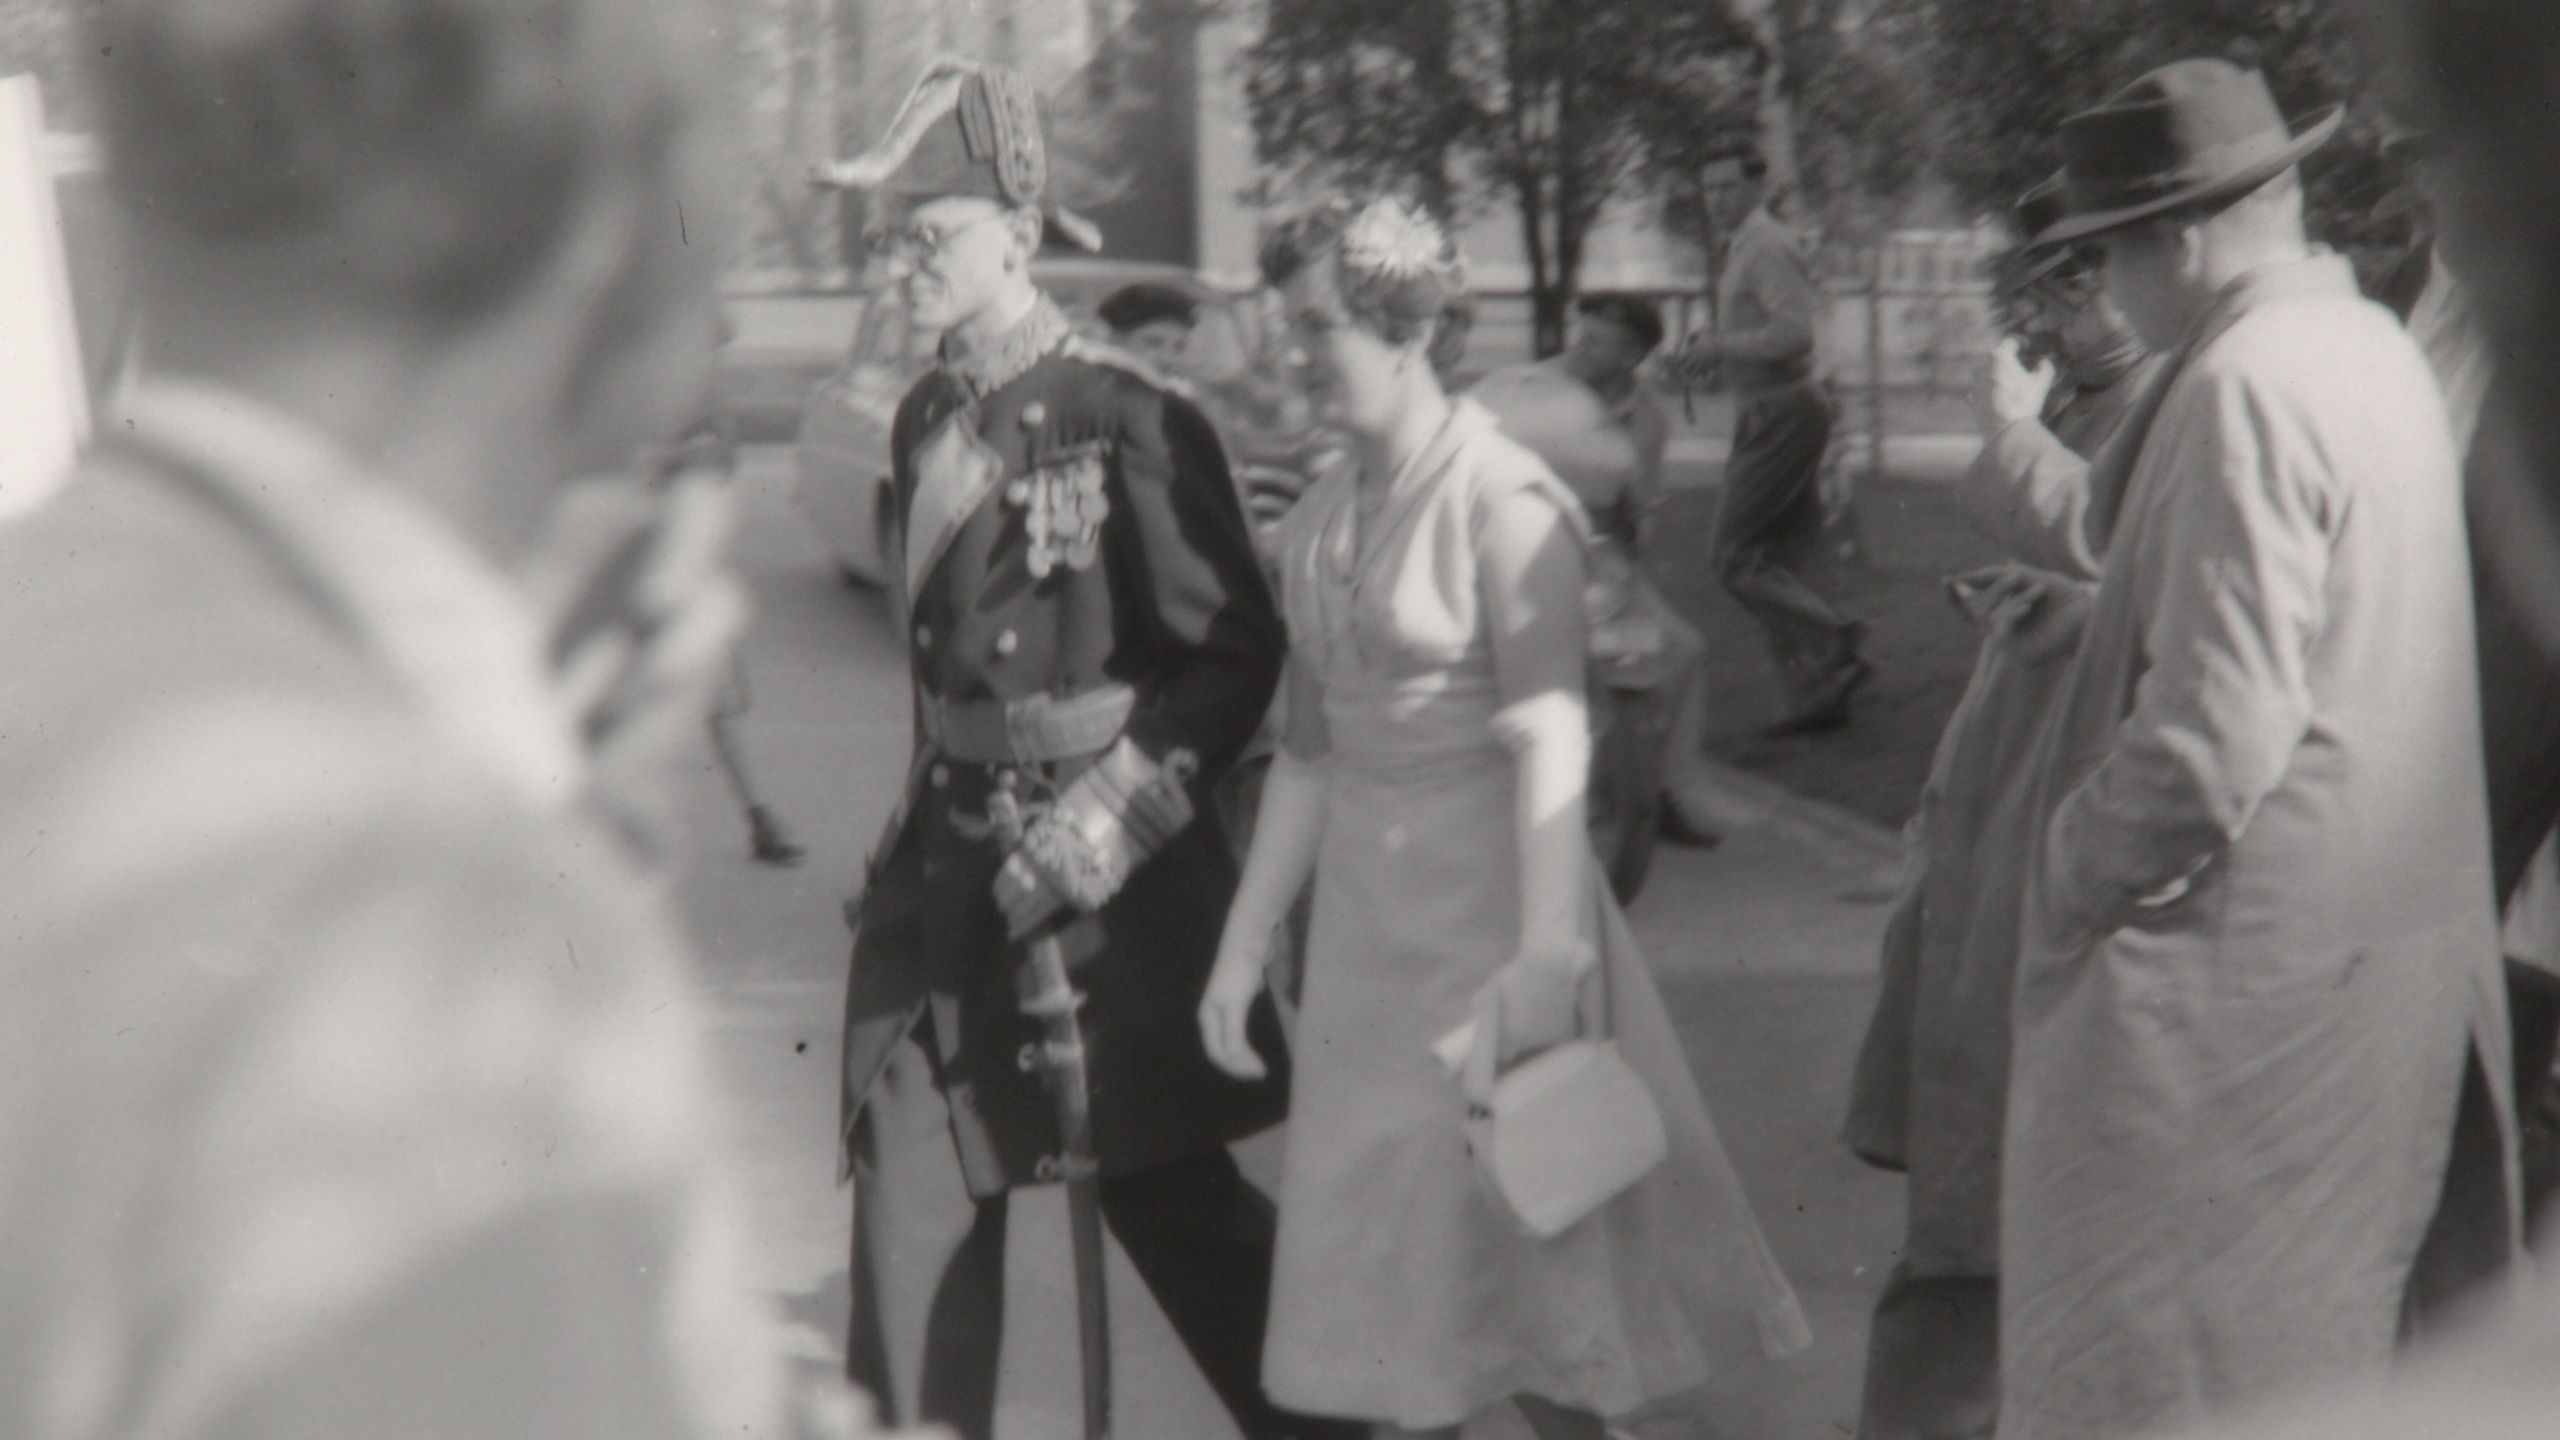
point(2469, 1243)
point(2533, 1003)
point(928, 1266)
point(1769, 521)
point(1933, 1359)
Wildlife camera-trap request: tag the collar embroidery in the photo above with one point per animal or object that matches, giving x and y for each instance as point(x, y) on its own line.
point(1041, 330)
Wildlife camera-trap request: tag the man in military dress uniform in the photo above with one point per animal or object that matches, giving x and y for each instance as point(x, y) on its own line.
point(1093, 645)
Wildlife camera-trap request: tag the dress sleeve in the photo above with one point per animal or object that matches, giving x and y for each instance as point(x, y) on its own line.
point(1529, 564)
point(1530, 541)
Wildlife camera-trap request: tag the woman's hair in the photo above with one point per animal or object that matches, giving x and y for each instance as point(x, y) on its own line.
point(1396, 268)
point(1449, 335)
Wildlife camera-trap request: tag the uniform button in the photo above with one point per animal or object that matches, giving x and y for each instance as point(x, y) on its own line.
point(924, 637)
point(1035, 413)
point(1007, 643)
point(1018, 493)
point(940, 776)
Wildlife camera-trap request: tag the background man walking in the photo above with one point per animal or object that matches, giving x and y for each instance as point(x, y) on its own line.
point(1770, 520)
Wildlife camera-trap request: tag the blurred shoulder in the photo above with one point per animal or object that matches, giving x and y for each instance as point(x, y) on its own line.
point(1137, 395)
point(130, 592)
point(178, 703)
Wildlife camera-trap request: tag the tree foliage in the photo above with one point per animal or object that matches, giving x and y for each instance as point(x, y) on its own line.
point(2007, 72)
point(1555, 106)
point(1837, 98)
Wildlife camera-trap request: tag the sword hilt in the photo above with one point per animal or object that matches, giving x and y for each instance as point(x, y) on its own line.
point(1051, 1169)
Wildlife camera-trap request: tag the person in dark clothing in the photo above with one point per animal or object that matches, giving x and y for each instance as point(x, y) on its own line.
point(1771, 515)
point(1093, 646)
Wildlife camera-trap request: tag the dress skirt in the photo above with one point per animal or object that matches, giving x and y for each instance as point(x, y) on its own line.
point(1400, 1292)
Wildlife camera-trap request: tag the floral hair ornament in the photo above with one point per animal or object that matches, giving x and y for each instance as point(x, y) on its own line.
point(1393, 239)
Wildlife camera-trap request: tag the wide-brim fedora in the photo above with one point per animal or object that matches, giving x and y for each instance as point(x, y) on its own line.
point(2189, 134)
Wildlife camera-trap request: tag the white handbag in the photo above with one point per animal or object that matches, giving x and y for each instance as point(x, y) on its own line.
point(1563, 1132)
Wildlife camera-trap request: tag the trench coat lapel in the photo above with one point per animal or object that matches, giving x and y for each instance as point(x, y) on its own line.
point(2111, 474)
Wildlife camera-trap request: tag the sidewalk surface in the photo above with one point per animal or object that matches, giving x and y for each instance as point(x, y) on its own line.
point(1764, 947)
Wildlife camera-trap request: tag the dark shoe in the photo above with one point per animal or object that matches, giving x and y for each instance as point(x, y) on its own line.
point(1827, 707)
point(768, 842)
point(1678, 829)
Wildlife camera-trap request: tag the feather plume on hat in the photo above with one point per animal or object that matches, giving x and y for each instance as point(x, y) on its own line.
point(964, 129)
point(936, 95)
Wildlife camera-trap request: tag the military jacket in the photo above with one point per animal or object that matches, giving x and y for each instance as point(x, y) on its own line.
point(1069, 526)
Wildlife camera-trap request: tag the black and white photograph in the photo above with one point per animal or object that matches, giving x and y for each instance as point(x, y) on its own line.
point(1279, 719)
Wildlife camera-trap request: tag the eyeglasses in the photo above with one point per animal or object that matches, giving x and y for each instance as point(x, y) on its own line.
point(2074, 284)
point(922, 240)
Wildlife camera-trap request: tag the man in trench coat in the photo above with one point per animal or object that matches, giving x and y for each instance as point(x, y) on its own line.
point(2487, 71)
point(2258, 953)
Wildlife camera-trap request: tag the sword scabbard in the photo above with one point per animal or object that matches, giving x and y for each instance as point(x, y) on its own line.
point(1046, 993)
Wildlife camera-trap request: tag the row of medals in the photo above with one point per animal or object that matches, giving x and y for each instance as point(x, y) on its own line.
point(1063, 509)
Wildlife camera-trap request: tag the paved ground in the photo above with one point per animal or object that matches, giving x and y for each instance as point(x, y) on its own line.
point(1912, 537)
point(1764, 949)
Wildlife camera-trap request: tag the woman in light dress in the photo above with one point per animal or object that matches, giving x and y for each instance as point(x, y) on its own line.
point(1431, 780)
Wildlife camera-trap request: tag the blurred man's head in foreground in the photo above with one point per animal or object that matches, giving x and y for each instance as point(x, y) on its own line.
point(539, 179)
